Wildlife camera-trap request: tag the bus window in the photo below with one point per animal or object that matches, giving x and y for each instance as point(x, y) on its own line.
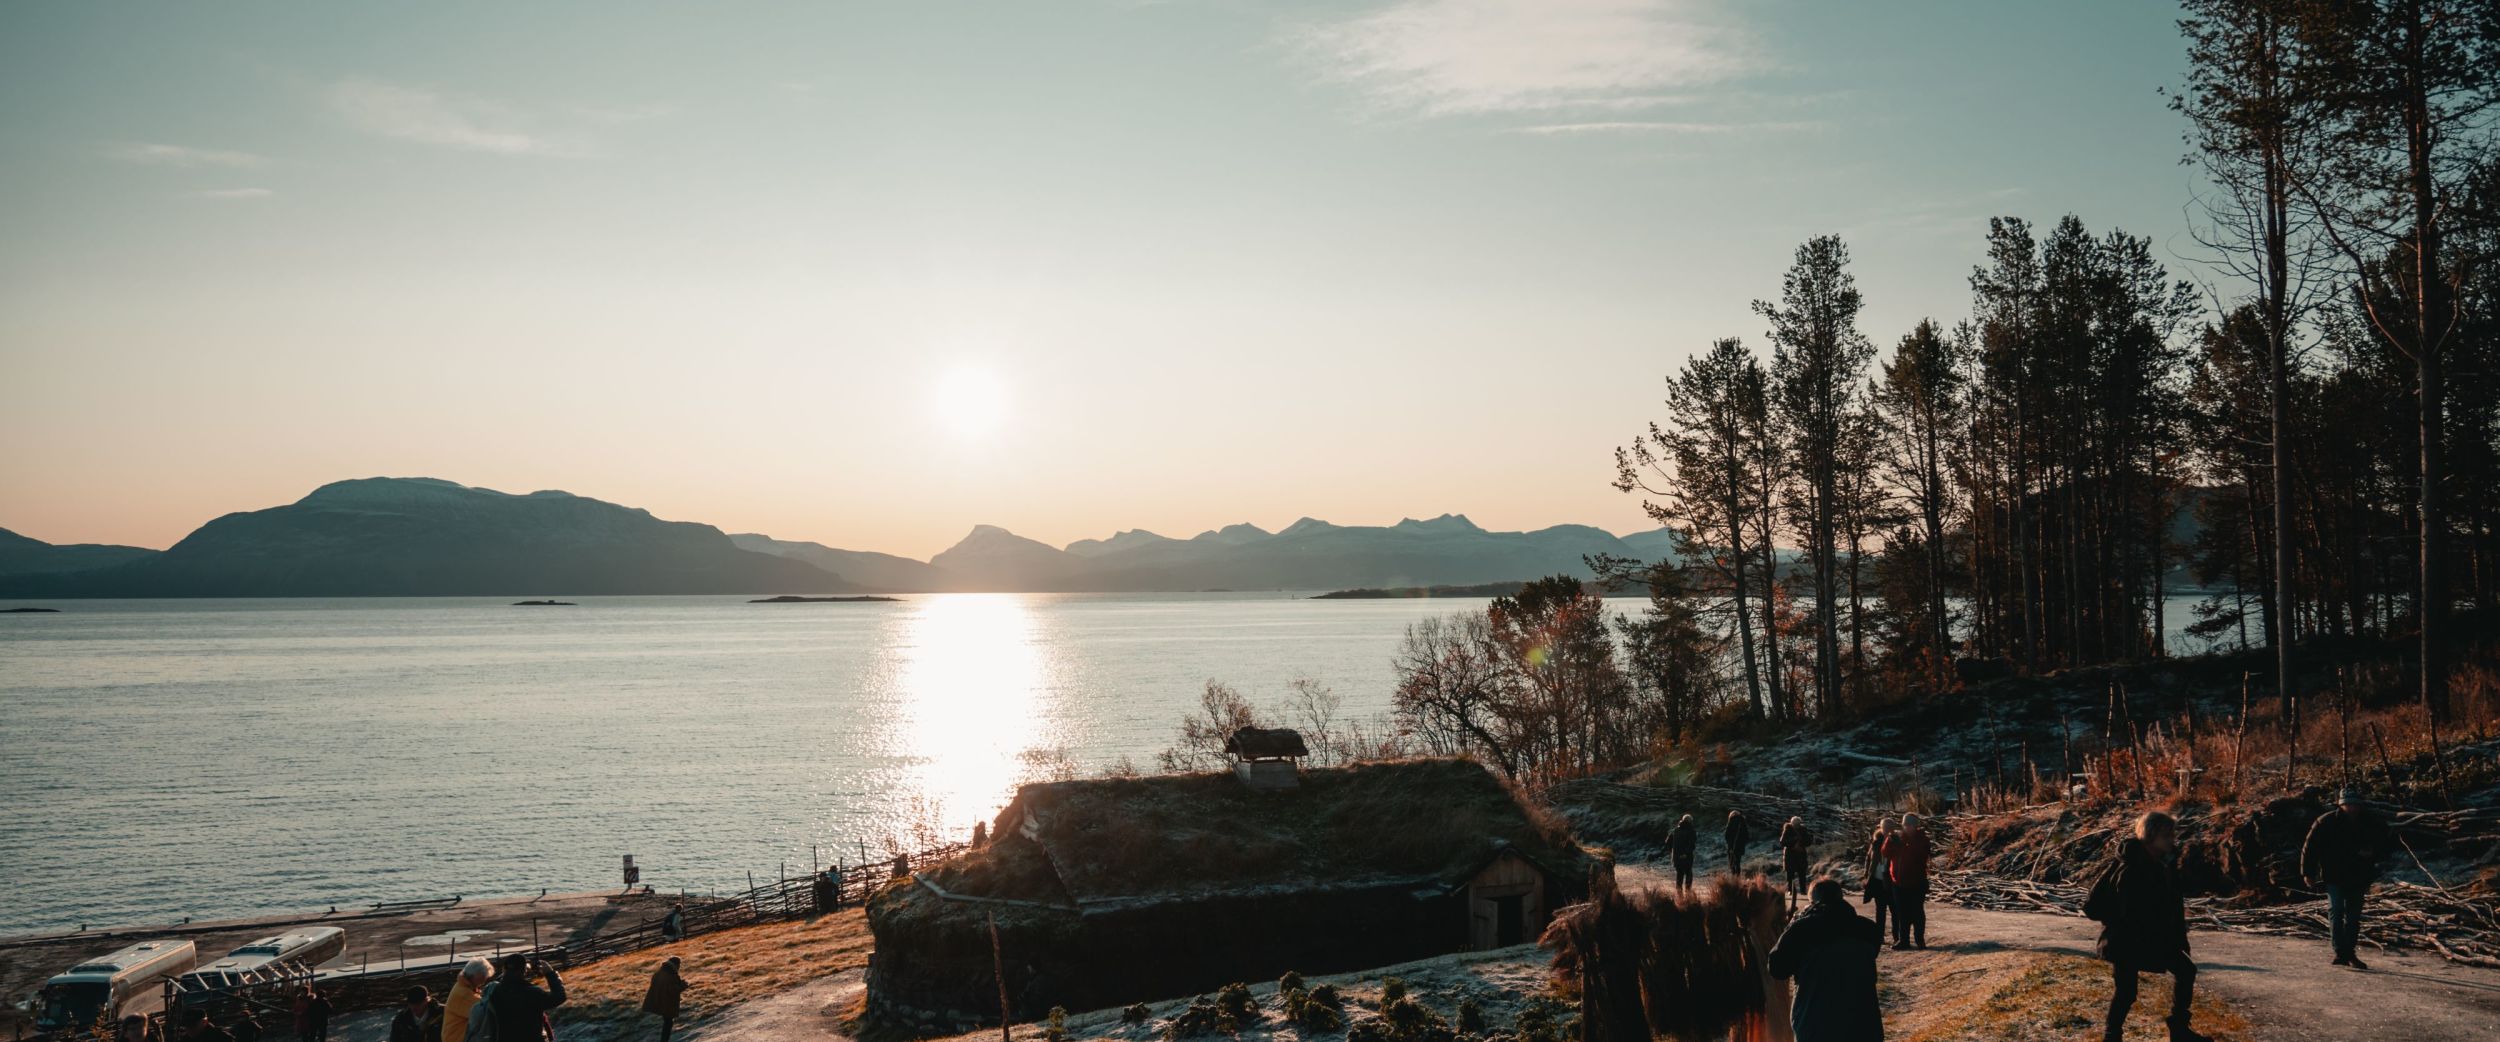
point(73, 1005)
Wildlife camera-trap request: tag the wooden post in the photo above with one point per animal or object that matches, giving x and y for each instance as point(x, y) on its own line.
point(2291, 747)
point(2239, 751)
point(998, 969)
point(2066, 735)
point(2386, 766)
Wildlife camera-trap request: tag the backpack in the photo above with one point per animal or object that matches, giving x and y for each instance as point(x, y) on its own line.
point(482, 1016)
point(2101, 903)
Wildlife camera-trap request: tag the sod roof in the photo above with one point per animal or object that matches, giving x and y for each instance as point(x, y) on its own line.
point(1116, 841)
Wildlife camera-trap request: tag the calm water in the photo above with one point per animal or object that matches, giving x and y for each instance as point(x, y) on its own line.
point(215, 758)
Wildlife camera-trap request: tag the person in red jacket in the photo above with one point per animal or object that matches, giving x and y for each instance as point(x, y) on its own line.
point(1905, 867)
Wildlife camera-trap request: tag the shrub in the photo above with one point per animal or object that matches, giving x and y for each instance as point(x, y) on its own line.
point(1315, 1010)
point(1199, 1018)
point(1236, 1005)
point(1409, 1021)
point(1135, 1014)
point(1544, 1018)
point(1470, 1017)
point(1055, 1029)
point(1391, 990)
point(1291, 981)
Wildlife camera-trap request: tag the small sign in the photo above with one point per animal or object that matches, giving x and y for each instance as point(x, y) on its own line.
point(633, 872)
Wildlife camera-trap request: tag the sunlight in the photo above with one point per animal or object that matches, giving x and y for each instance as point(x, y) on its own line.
point(970, 401)
point(973, 675)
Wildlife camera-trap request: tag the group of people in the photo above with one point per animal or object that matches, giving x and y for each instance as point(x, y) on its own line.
point(1795, 844)
point(1829, 950)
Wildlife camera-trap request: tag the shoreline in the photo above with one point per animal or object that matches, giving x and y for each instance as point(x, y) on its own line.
point(434, 934)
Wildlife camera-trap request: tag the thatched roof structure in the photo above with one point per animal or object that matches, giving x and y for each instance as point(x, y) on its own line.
point(1266, 743)
point(1104, 889)
point(1122, 841)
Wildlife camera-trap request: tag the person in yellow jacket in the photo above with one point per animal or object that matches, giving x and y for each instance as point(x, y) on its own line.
point(462, 997)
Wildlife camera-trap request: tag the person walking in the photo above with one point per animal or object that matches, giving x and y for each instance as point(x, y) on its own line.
point(462, 998)
point(1795, 851)
point(2144, 925)
point(419, 1016)
point(662, 998)
point(1830, 952)
point(1905, 869)
point(2342, 854)
point(519, 1008)
point(1680, 843)
point(1878, 888)
point(1739, 835)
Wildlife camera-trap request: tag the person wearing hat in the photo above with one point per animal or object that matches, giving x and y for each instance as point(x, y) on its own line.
point(2342, 855)
point(666, 996)
point(419, 1016)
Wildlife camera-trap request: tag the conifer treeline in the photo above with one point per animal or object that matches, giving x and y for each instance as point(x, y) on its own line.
point(2313, 431)
point(2029, 484)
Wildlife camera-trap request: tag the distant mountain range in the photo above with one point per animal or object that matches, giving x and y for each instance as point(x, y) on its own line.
point(422, 536)
point(22, 556)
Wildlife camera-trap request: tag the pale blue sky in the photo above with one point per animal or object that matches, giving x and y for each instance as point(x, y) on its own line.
point(1223, 261)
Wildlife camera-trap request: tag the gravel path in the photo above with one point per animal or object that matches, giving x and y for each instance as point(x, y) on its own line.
point(2284, 986)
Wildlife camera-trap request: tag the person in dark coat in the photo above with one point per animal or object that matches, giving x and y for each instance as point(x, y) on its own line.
point(2342, 854)
point(1878, 888)
point(1795, 851)
point(2144, 926)
point(662, 999)
point(1680, 842)
point(520, 1007)
point(419, 1017)
point(1905, 870)
point(1739, 836)
point(1830, 952)
point(312, 1015)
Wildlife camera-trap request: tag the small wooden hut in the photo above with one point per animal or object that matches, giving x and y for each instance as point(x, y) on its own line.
point(1116, 890)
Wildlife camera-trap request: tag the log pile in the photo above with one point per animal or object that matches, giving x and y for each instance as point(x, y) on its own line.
point(2461, 928)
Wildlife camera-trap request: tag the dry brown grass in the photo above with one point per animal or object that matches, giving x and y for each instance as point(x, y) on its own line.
point(721, 969)
point(2365, 730)
point(2019, 996)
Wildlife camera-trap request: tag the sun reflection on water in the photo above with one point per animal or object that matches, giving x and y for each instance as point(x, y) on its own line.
point(974, 676)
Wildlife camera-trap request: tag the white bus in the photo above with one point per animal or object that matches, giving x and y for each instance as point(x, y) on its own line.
point(293, 951)
point(129, 982)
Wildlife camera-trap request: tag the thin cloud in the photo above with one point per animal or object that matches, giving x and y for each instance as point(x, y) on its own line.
point(1664, 127)
point(434, 118)
point(230, 194)
point(151, 153)
point(1459, 57)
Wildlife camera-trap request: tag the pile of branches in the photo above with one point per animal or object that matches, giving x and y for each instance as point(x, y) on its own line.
point(2469, 833)
point(2461, 928)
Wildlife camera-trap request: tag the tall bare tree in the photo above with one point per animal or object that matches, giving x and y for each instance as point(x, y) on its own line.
point(2256, 128)
point(1819, 361)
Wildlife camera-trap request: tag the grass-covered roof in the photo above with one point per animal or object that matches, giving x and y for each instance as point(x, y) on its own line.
point(1170, 837)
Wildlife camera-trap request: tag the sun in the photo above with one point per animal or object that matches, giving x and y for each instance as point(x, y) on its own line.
point(970, 401)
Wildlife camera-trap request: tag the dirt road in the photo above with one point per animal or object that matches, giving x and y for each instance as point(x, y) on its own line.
point(2283, 985)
